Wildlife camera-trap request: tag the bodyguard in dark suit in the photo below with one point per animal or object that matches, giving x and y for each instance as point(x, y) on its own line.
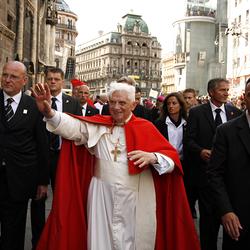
point(64, 103)
point(83, 96)
point(23, 155)
point(229, 174)
point(201, 126)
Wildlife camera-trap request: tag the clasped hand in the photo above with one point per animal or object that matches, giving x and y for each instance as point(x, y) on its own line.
point(232, 225)
point(142, 158)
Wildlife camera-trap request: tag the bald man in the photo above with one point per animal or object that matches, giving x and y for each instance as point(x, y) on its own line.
point(83, 96)
point(23, 155)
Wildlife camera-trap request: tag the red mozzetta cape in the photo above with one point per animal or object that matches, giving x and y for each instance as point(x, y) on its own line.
point(66, 227)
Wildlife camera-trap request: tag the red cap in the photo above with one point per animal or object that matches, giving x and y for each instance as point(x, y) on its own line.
point(77, 82)
point(160, 98)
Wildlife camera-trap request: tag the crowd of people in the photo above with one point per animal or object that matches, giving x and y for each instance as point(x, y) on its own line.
point(116, 160)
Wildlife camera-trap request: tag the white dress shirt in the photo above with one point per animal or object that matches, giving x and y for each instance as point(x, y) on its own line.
point(222, 113)
point(16, 101)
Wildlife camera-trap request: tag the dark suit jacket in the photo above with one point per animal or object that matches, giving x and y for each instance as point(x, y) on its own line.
point(199, 135)
point(71, 105)
point(229, 169)
point(141, 111)
point(105, 109)
point(91, 111)
point(24, 148)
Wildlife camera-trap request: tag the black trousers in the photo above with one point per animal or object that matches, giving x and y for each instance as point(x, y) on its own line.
point(209, 221)
point(12, 218)
point(242, 244)
point(37, 216)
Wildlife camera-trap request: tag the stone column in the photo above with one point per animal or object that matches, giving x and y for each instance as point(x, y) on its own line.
point(34, 52)
point(52, 44)
point(20, 30)
point(47, 44)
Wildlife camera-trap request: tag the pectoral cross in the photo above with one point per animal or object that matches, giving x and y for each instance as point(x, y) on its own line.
point(116, 152)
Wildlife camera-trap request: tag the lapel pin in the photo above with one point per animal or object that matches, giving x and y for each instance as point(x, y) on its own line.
point(232, 113)
point(25, 111)
point(67, 101)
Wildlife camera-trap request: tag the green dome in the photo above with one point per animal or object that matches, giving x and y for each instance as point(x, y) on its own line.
point(130, 21)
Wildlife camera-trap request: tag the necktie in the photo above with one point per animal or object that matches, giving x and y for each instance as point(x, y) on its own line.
point(217, 119)
point(9, 113)
point(53, 104)
point(54, 139)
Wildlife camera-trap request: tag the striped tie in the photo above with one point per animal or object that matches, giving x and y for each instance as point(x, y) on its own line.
point(9, 113)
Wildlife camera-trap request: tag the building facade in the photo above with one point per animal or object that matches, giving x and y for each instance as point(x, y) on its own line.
point(65, 40)
point(200, 44)
point(238, 32)
point(26, 35)
point(168, 76)
point(130, 51)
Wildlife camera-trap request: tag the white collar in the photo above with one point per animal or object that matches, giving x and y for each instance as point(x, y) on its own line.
point(183, 121)
point(58, 97)
point(16, 97)
point(213, 107)
point(126, 121)
point(84, 106)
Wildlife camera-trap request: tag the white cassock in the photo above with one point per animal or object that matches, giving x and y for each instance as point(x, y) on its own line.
point(121, 207)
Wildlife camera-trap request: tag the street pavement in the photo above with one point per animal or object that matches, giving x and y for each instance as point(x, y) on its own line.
point(28, 245)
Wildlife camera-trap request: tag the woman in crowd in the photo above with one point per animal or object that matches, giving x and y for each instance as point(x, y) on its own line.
point(172, 120)
point(172, 124)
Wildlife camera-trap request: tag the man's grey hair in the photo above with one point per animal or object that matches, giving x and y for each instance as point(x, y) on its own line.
point(118, 86)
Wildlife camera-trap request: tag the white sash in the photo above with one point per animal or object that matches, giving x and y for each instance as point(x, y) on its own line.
point(143, 185)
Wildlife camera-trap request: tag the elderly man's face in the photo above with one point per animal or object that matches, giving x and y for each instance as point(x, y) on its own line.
point(13, 78)
point(120, 106)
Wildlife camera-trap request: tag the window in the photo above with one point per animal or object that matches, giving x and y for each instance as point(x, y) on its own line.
point(202, 56)
point(10, 22)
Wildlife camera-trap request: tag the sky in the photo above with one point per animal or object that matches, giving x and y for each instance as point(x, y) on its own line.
point(96, 15)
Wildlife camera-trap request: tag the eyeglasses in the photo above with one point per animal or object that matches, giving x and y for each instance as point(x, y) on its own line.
point(11, 77)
